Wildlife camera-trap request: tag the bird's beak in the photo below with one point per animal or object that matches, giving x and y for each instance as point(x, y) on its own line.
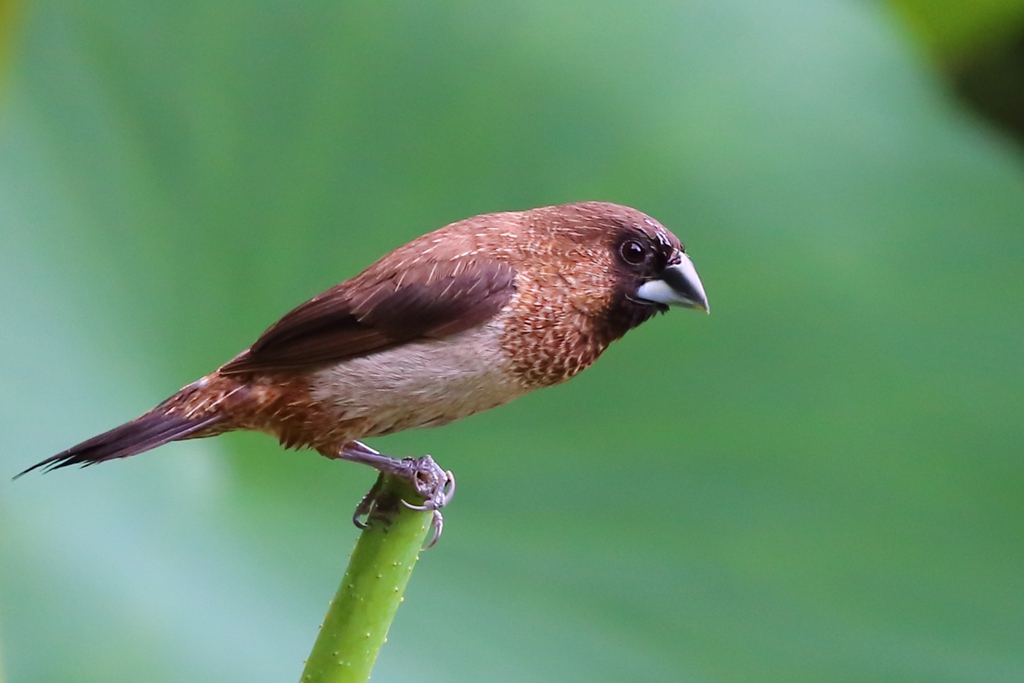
point(677, 285)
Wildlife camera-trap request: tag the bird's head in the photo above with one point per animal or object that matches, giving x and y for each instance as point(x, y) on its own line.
point(620, 264)
point(653, 268)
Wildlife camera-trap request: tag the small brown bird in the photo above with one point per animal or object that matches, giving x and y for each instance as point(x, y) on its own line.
point(457, 321)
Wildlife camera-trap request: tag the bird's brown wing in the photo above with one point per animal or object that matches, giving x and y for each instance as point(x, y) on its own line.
point(381, 309)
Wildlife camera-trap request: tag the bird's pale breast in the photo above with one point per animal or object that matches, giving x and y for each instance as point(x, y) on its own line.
point(420, 384)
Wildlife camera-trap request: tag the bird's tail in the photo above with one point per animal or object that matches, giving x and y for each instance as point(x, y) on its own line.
point(155, 428)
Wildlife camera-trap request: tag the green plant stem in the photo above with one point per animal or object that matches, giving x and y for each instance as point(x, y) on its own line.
point(361, 612)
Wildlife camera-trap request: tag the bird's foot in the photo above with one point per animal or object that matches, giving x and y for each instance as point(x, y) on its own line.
point(437, 486)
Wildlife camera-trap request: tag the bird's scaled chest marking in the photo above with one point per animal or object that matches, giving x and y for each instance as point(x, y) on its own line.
point(550, 338)
point(420, 384)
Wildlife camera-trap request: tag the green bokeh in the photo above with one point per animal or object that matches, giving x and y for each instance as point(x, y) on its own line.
point(819, 482)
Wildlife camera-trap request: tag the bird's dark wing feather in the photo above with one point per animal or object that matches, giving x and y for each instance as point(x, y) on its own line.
point(380, 309)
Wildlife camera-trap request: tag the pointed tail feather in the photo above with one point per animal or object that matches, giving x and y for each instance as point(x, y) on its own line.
point(141, 434)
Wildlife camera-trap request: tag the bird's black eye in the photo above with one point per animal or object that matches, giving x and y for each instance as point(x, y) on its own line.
point(632, 252)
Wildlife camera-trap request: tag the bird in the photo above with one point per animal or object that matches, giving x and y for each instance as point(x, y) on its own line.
point(457, 321)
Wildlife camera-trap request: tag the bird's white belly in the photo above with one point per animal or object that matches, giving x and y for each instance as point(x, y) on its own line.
point(420, 384)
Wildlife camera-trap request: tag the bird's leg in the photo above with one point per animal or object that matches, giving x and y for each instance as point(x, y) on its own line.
point(436, 485)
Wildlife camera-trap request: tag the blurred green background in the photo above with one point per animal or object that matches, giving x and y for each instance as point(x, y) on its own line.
point(822, 481)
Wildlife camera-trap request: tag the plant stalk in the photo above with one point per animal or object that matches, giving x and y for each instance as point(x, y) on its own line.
point(359, 616)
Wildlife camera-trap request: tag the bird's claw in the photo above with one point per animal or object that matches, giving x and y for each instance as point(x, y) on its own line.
point(441, 495)
point(437, 496)
point(437, 486)
point(366, 504)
